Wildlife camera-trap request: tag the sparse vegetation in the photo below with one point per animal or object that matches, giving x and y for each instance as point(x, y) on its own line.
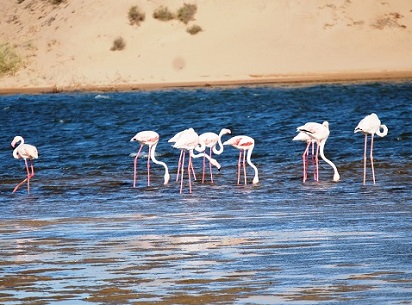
point(186, 13)
point(118, 44)
point(56, 2)
point(194, 29)
point(9, 59)
point(135, 15)
point(163, 14)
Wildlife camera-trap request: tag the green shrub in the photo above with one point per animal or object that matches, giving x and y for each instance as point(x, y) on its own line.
point(118, 44)
point(9, 60)
point(135, 15)
point(186, 13)
point(163, 14)
point(194, 29)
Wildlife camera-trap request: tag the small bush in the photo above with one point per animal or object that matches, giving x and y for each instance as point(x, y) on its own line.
point(163, 14)
point(118, 44)
point(135, 15)
point(186, 13)
point(9, 60)
point(194, 29)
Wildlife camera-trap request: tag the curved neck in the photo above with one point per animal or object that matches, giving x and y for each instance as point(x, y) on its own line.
point(384, 131)
point(256, 177)
point(200, 147)
point(218, 151)
point(336, 175)
point(152, 156)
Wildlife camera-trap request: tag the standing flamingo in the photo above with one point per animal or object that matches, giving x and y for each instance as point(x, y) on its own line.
point(305, 156)
point(319, 133)
point(24, 151)
point(188, 140)
point(211, 140)
point(370, 125)
point(244, 143)
point(150, 138)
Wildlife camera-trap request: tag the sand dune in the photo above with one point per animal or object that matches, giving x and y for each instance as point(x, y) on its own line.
point(67, 46)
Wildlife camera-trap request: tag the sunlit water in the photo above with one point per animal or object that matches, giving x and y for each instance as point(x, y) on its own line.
point(84, 236)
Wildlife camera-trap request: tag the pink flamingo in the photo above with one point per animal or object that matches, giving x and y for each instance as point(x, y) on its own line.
point(319, 133)
point(150, 138)
point(211, 140)
point(370, 125)
point(305, 156)
point(244, 143)
point(24, 151)
point(173, 140)
point(188, 140)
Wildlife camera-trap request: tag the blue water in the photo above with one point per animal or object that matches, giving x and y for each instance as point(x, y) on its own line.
point(83, 235)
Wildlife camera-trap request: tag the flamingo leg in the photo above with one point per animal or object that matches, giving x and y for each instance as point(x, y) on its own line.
point(182, 173)
point(203, 169)
point(305, 156)
point(179, 163)
point(190, 165)
point(148, 165)
point(313, 160)
point(244, 166)
point(27, 179)
point(238, 167)
point(364, 158)
point(317, 163)
point(371, 157)
point(135, 165)
point(210, 166)
point(193, 170)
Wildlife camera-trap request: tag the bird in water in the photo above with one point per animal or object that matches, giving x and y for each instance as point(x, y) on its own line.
point(370, 125)
point(212, 140)
point(150, 138)
point(188, 140)
point(319, 133)
point(25, 152)
point(245, 144)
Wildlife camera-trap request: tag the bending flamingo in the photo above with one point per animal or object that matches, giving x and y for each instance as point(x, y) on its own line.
point(150, 138)
point(188, 140)
point(370, 125)
point(319, 133)
point(24, 151)
point(244, 143)
point(211, 140)
point(305, 156)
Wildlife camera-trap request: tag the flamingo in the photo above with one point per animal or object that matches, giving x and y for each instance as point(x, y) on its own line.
point(24, 151)
point(319, 133)
point(150, 138)
point(211, 140)
point(370, 125)
point(305, 156)
point(188, 140)
point(244, 143)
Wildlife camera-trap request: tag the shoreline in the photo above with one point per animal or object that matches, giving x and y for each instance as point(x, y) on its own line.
point(253, 80)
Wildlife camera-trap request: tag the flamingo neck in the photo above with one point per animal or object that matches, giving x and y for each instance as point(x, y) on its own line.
point(336, 176)
point(384, 131)
point(152, 156)
point(219, 142)
point(256, 177)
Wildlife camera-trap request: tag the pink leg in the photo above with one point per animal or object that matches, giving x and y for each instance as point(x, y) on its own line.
point(27, 179)
point(371, 156)
point(179, 165)
point(317, 163)
point(238, 167)
point(203, 169)
point(305, 162)
point(210, 166)
point(135, 166)
point(190, 165)
point(183, 167)
point(193, 170)
point(244, 166)
point(364, 158)
point(148, 166)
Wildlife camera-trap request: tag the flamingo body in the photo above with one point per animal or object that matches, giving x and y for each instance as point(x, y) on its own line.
point(25, 152)
point(370, 125)
point(150, 138)
point(244, 144)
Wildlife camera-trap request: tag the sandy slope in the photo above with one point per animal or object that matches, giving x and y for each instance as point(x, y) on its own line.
point(68, 46)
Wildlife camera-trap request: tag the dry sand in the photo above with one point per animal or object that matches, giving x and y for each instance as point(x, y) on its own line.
point(67, 46)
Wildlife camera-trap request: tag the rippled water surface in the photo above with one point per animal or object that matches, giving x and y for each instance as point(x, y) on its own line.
point(84, 235)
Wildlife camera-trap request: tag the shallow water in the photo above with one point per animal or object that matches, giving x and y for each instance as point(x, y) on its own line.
point(84, 236)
